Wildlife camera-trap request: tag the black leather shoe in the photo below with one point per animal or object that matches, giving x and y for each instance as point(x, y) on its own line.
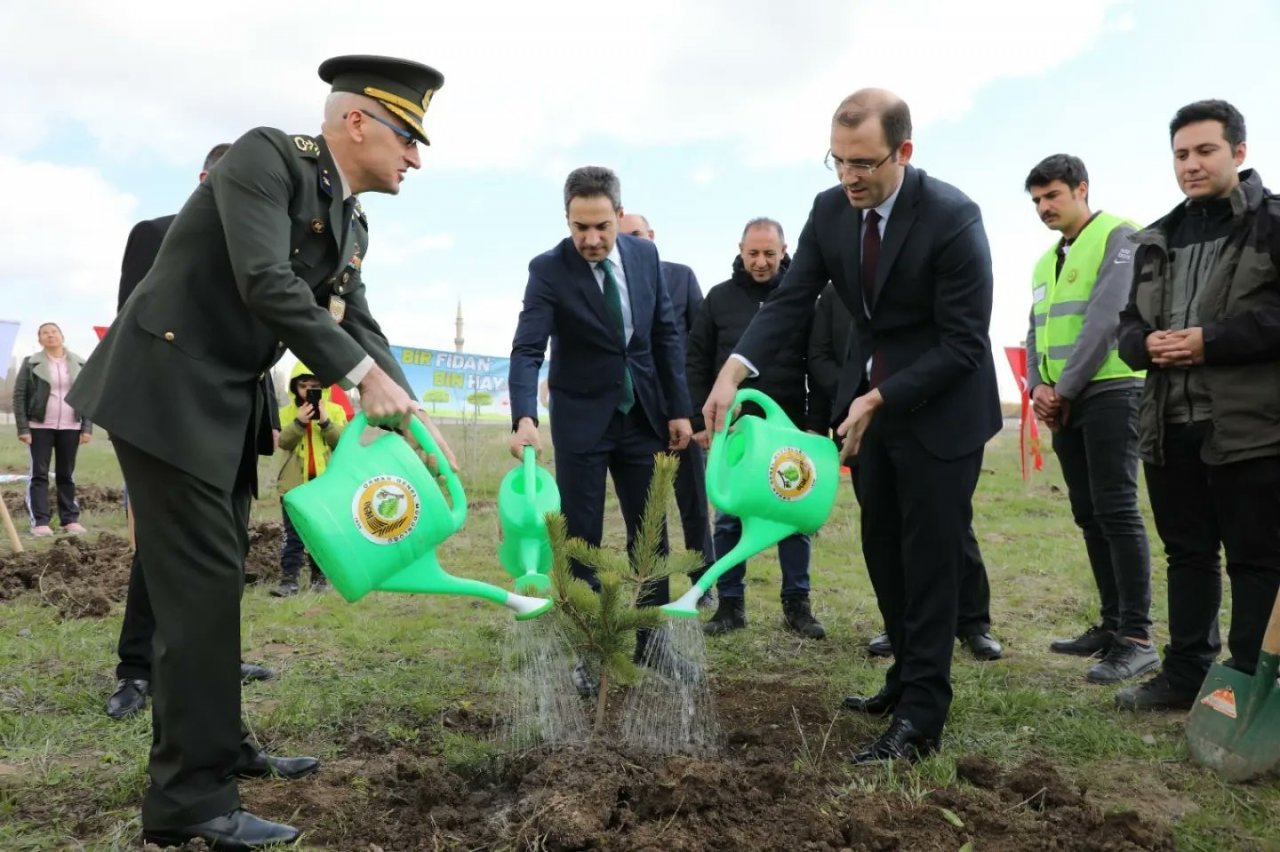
point(799, 619)
point(1094, 642)
point(902, 740)
point(880, 646)
point(983, 646)
point(731, 614)
point(130, 697)
point(253, 671)
point(880, 704)
point(234, 831)
point(268, 766)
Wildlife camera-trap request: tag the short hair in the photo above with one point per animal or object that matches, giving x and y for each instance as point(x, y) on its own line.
point(590, 181)
point(894, 114)
point(1064, 167)
point(764, 222)
point(215, 154)
point(1210, 110)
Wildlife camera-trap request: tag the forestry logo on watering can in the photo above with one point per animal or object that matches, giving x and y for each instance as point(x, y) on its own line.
point(791, 474)
point(386, 509)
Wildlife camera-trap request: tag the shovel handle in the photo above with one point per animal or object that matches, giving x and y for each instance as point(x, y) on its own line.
point(1271, 640)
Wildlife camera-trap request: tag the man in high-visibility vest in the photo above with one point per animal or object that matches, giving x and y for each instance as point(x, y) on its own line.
point(1088, 398)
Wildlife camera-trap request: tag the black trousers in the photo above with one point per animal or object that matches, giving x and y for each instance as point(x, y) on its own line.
point(691, 500)
point(974, 616)
point(192, 541)
point(626, 453)
point(58, 446)
point(1098, 451)
point(916, 516)
point(137, 628)
point(1199, 508)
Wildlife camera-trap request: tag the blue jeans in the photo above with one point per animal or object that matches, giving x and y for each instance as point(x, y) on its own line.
point(793, 554)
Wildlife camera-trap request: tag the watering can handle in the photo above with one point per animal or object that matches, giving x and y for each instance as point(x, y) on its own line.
point(351, 436)
point(530, 459)
point(771, 409)
point(451, 482)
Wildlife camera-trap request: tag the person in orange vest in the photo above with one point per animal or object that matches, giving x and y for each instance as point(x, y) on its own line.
point(310, 427)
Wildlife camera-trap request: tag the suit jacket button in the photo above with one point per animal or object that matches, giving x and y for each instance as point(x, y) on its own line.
point(168, 335)
point(346, 276)
point(295, 252)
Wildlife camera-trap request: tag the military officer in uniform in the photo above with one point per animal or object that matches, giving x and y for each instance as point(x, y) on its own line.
point(265, 255)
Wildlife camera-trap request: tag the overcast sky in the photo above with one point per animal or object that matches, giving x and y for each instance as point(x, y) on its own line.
point(711, 112)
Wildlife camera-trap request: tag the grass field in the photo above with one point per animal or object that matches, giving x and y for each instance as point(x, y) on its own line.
point(398, 669)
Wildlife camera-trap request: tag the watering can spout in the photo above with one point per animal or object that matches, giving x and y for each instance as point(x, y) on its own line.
point(530, 560)
point(757, 534)
point(426, 576)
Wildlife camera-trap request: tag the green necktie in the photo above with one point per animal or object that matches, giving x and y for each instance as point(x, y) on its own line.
point(613, 298)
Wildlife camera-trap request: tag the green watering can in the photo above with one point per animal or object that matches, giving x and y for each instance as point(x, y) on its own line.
point(777, 479)
point(373, 520)
point(526, 495)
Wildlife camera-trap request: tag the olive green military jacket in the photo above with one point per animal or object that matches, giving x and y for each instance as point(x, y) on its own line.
point(248, 269)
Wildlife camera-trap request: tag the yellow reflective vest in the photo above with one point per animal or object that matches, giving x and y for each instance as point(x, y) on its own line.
point(1059, 300)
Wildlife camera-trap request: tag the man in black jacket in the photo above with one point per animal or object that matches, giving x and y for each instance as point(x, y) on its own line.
point(828, 346)
point(728, 310)
point(133, 673)
point(1203, 320)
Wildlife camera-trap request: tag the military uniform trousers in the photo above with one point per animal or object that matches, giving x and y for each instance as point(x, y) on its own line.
point(192, 538)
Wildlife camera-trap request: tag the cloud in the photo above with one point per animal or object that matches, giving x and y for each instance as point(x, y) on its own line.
point(64, 230)
point(524, 81)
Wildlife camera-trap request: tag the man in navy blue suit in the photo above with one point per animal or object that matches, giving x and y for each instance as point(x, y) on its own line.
point(691, 491)
point(617, 369)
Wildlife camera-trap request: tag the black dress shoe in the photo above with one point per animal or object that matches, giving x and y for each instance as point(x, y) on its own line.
point(253, 671)
point(1094, 642)
point(902, 740)
point(235, 831)
point(880, 704)
point(983, 646)
point(130, 697)
point(267, 766)
point(880, 646)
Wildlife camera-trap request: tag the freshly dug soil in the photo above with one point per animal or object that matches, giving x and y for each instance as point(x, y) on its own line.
point(84, 575)
point(758, 795)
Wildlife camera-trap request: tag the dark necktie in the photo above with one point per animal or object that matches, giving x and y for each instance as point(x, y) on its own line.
point(613, 299)
point(870, 261)
point(870, 256)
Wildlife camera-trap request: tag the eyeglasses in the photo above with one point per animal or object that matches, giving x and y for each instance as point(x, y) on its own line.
point(858, 167)
point(409, 139)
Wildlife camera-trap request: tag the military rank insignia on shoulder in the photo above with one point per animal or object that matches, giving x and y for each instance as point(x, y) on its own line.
point(306, 145)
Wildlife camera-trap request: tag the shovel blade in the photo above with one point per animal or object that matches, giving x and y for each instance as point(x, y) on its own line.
point(1234, 726)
